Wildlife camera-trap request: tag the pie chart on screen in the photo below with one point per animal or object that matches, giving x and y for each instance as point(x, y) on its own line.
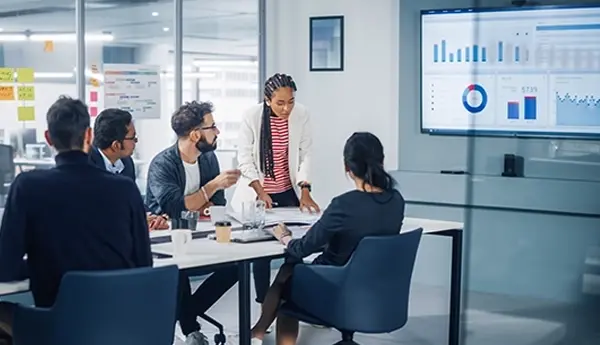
point(474, 98)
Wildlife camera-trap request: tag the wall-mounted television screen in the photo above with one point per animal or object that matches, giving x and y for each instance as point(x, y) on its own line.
point(531, 71)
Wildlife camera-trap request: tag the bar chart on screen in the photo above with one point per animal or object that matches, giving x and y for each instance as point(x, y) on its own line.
point(499, 51)
point(512, 48)
point(576, 100)
point(522, 99)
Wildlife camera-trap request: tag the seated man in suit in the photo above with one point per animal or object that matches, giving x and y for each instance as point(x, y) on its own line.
point(114, 142)
point(186, 177)
point(73, 217)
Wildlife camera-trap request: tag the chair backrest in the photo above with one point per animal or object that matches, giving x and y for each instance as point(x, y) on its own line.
point(7, 165)
point(133, 307)
point(377, 283)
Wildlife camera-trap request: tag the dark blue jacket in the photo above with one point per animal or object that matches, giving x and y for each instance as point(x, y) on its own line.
point(348, 219)
point(166, 181)
point(97, 159)
point(73, 217)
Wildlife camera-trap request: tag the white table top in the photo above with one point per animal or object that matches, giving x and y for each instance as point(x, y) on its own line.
point(428, 225)
point(205, 252)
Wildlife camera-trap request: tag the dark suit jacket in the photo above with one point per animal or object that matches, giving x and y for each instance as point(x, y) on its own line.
point(166, 181)
point(348, 219)
point(129, 166)
point(73, 217)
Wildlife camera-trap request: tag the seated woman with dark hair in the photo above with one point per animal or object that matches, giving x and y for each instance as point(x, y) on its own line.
point(347, 220)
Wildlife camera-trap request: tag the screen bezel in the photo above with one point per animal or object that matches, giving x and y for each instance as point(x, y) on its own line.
point(486, 132)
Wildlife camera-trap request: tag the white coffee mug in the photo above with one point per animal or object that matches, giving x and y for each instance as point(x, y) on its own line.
point(181, 239)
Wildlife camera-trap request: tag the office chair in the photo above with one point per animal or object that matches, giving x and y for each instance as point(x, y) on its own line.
point(369, 294)
point(220, 338)
point(133, 307)
point(7, 168)
point(198, 274)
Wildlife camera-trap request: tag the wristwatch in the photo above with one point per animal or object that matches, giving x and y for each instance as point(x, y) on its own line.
point(305, 185)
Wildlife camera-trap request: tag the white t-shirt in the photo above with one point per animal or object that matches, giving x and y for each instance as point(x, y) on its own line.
point(192, 178)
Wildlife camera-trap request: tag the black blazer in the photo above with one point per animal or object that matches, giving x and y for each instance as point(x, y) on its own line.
point(97, 160)
point(166, 181)
point(73, 217)
point(349, 218)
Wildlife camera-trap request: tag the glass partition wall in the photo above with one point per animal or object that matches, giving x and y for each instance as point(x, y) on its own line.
point(532, 236)
point(203, 50)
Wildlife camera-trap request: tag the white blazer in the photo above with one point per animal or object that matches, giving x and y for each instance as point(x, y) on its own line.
point(300, 146)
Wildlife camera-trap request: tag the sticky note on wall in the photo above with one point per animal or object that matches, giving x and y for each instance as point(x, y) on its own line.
point(7, 75)
point(26, 93)
point(7, 93)
point(25, 75)
point(26, 113)
point(48, 46)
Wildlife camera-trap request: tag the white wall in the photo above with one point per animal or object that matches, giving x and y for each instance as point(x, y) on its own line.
point(364, 97)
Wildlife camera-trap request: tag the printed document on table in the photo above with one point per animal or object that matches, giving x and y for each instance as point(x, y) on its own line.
point(290, 215)
point(283, 215)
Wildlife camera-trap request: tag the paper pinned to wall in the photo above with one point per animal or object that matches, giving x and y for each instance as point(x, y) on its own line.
point(134, 88)
point(26, 113)
point(25, 75)
point(48, 46)
point(7, 75)
point(26, 93)
point(7, 93)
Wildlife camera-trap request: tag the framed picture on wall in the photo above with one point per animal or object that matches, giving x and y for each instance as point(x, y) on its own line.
point(326, 44)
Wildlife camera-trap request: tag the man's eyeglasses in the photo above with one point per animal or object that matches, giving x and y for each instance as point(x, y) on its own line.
point(214, 126)
point(134, 139)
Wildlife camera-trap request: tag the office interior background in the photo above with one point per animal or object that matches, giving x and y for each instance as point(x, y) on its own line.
point(531, 270)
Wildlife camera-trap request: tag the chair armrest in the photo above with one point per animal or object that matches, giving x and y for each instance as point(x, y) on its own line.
point(33, 325)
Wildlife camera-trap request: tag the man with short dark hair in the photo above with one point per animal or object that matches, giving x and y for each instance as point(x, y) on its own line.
point(186, 177)
point(114, 142)
point(115, 139)
point(58, 217)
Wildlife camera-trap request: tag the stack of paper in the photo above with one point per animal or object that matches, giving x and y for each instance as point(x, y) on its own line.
point(290, 215)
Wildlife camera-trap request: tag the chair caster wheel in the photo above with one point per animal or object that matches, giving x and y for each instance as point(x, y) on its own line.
point(220, 339)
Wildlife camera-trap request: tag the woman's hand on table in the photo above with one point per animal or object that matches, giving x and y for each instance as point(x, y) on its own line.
point(307, 204)
point(266, 198)
point(282, 233)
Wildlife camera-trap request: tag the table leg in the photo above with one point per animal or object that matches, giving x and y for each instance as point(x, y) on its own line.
point(244, 301)
point(455, 288)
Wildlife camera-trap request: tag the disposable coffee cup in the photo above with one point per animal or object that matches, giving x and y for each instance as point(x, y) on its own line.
point(223, 231)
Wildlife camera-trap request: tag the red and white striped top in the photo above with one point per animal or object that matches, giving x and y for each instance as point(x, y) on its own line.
point(281, 168)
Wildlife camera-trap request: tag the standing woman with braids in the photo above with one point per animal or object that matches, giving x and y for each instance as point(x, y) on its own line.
point(274, 157)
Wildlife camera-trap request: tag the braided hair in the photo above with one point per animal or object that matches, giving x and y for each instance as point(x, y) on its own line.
point(272, 84)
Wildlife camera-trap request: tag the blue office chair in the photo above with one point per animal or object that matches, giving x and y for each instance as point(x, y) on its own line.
point(128, 307)
point(368, 295)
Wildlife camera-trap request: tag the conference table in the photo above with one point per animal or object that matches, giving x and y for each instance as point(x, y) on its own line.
point(207, 254)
